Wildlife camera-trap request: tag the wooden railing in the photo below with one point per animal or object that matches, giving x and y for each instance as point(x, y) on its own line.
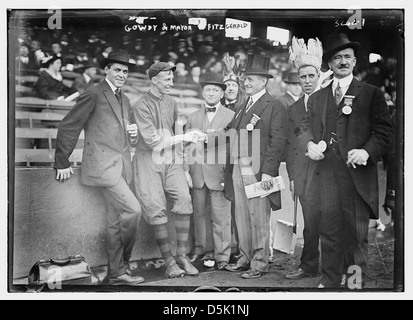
point(37, 120)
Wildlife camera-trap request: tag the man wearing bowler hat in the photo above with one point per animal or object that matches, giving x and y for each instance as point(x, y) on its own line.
point(346, 131)
point(159, 172)
point(257, 146)
point(206, 169)
point(102, 111)
point(294, 89)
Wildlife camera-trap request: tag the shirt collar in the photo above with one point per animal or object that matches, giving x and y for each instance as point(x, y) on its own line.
point(258, 95)
point(228, 102)
point(293, 96)
point(111, 85)
point(344, 82)
point(216, 106)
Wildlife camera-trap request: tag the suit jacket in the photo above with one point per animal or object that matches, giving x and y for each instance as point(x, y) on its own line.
point(367, 127)
point(296, 161)
point(80, 84)
point(286, 100)
point(272, 132)
point(106, 147)
point(211, 170)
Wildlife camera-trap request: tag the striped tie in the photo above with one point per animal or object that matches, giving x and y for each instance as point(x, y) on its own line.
point(338, 94)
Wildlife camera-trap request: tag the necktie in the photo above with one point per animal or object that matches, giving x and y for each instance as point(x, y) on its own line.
point(249, 105)
point(118, 96)
point(338, 94)
point(213, 109)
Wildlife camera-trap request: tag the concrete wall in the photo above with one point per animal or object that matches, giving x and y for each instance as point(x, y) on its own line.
point(52, 219)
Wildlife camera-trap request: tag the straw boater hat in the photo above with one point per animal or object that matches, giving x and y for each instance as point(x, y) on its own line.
point(302, 55)
point(117, 56)
point(213, 78)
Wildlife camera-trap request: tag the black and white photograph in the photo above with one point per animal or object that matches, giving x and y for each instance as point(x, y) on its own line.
point(218, 152)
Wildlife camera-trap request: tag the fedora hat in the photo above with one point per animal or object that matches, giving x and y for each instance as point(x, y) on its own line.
point(291, 77)
point(257, 65)
point(213, 78)
point(117, 56)
point(337, 43)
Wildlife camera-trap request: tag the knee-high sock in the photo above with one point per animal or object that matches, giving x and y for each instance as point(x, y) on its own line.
point(182, 222)
point(162, 239)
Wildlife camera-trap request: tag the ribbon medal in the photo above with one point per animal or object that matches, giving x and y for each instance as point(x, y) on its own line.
point(253, 122)
point(348, 102)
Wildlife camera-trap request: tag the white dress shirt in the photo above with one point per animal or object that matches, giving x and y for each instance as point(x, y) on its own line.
point(344, 84)
point(255, 98)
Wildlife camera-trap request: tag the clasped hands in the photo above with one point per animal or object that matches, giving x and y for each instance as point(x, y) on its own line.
point(195, 136)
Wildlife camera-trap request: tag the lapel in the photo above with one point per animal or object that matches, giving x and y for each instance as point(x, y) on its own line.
point(219, 118)
point(238, 116)
point(353, 90)
point(113, 102)
point(258, 108)
point(324, 98)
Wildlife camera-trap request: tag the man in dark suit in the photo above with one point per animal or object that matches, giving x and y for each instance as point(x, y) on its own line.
point(103, 112)
point(353, 120)
point(294, 90)
point(86, 79)
point(206, 171)
point(259, 127)
point(308, 63)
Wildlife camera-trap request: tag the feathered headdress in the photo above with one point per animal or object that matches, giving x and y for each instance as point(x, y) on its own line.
point(306, 55)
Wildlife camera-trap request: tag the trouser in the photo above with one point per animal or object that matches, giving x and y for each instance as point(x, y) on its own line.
point(221, 222)
point(311, 213)
point(123, 215)
point(252, 218)
point(344, 222)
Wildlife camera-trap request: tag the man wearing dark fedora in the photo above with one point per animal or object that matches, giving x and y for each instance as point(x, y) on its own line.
point(86, 79)
point(294, 90)
point(103, 111)
point(260, 129)
point(346, 131)
point(159, 172)
point(205, 172)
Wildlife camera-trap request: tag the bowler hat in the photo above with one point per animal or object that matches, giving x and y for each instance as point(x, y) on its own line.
point(258, 65)
point(337, 43)
point(158, 67)
point(213, 78)
point(291, 77)
point(117, 56)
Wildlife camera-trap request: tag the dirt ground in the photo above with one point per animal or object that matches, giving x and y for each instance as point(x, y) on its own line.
point(379, 275)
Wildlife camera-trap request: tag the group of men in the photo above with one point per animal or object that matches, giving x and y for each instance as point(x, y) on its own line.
point(331, 146)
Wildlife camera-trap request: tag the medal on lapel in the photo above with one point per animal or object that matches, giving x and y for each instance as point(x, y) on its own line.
point(348, 102)
point(253, 122)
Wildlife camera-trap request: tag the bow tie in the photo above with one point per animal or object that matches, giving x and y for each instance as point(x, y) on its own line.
point(213, 109)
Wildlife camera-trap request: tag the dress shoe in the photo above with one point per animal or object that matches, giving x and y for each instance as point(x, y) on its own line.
point(124, 279)
point(234, 267)
point(173, 270)
point(193, 257)
point(222, 265)
point(208, 256)
point(252, 273)
point(300, 273)
point(184, 263)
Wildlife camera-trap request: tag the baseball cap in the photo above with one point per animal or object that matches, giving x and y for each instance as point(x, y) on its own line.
point(158, 67)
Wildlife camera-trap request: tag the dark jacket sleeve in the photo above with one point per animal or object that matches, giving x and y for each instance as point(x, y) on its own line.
point(276, 149)
point(70, 128)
